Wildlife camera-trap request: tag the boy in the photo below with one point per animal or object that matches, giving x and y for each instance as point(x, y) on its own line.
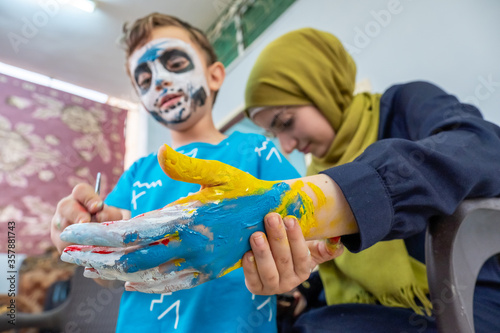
point(175, 72)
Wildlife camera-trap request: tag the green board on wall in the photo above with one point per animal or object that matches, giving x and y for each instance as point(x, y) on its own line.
point(258, 17)
point(255, 18)
point(226, 45)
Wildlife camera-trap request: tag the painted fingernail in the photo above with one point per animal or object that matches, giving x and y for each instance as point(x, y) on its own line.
point(259, 240)
point(333, 243)
point(251, 258)
point(333, 240)
point(289, 222)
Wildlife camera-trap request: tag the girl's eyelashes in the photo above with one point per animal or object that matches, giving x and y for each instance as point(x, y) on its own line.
point(284, 124)
point(288, 123)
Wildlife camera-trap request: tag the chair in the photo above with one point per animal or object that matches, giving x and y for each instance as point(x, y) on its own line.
point(456, 248)
point(88, 308)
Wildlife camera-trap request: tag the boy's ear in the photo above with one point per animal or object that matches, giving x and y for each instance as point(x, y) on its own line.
point(216, 74)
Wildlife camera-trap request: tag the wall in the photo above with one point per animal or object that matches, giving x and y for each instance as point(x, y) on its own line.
point(454, 44)
point(50, 141)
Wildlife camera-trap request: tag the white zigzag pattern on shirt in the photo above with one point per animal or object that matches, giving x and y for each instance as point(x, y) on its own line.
point(273, 151)
point(135, 197)
point(192, 153)
point(264, 147)
point(176, 304)
point(267, 301)
point(148, 185)
point(153, 302)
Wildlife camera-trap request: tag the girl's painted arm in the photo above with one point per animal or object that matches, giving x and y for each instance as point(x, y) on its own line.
point(332, 215)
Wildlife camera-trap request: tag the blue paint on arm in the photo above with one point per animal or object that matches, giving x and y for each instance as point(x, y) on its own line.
point(130, 238)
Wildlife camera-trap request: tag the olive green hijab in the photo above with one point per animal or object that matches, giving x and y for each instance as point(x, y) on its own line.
point(309, 66)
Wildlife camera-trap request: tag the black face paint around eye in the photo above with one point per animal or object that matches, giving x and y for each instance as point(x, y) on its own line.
point(143, 86)
point(166, 57)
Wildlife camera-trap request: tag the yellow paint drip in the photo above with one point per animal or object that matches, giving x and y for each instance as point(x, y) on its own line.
point(175, 236)
point(178, 262)
point(230, 269)
point(320, 196)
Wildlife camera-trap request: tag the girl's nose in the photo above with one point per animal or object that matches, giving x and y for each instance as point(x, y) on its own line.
point(287, 142)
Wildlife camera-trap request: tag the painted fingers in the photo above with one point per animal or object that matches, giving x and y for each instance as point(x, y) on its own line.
point(125, 260)
point(168, 277)
point(141, 230)
point(325, 250)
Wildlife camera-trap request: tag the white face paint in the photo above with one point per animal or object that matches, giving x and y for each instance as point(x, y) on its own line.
point(169, 79)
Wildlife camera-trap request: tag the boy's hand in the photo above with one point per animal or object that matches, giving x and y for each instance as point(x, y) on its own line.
point(192, 240)
point(81, 206)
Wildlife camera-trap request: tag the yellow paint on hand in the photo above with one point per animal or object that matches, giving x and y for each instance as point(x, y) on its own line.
point(219, 181)
point(178, 262)
point(230, 269)
point(307, 220)
point(175, 236)
point(320, 196)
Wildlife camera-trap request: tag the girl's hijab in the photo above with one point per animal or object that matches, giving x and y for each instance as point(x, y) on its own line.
point(311, 67)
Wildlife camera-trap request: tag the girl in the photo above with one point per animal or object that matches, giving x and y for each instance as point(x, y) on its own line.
point(400, 159)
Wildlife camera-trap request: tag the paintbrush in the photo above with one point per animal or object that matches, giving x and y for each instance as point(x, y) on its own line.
point(98, 191)
point(98, 183)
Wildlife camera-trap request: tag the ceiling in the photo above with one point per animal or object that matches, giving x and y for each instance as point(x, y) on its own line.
point(56, 39)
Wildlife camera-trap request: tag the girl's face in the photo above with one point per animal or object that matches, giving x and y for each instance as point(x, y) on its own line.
point(298, 127)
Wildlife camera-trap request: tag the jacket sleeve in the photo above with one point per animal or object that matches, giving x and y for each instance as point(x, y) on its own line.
point(433, 153)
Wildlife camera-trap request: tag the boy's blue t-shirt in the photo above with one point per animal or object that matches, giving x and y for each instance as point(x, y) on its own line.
point(221, 305)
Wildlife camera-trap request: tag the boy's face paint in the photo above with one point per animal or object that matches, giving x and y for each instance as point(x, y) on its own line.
point(169, 77)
